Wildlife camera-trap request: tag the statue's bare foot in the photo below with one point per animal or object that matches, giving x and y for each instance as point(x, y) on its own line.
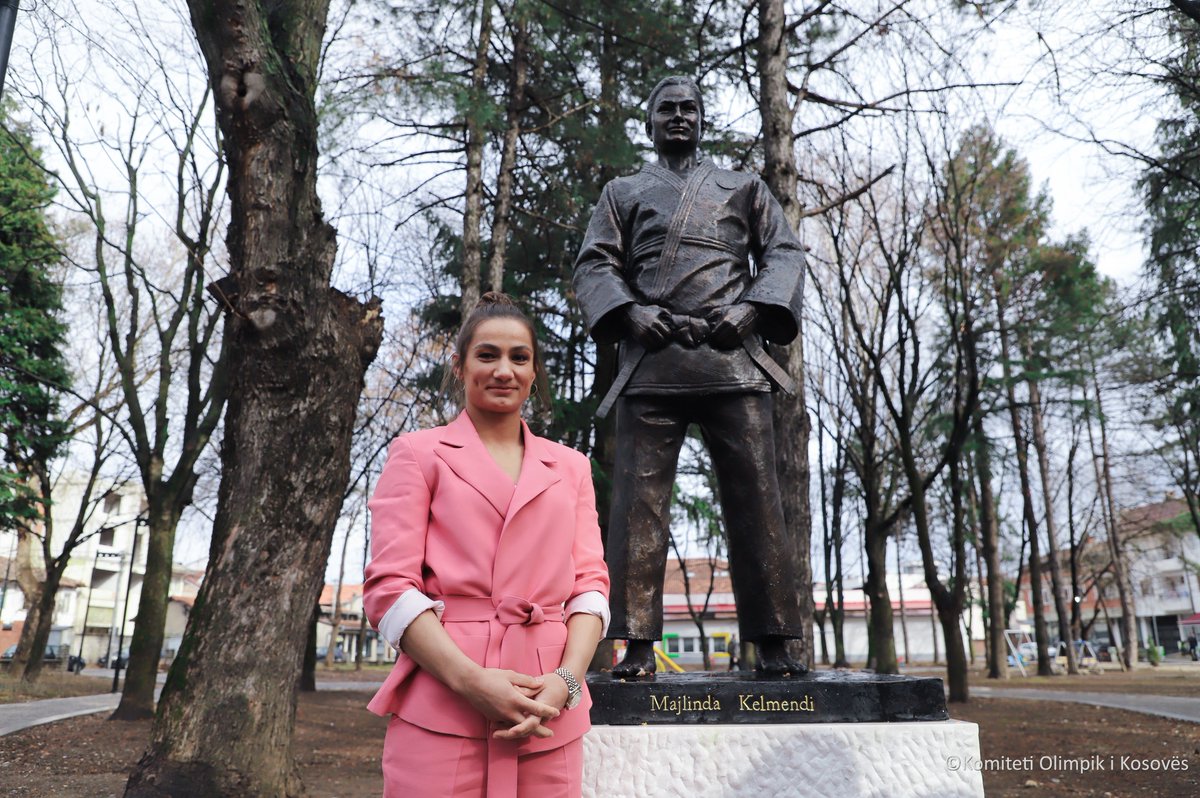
point(773, 659)
point(638, 660)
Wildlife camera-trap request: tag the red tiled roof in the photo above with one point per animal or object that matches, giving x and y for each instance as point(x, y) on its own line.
point(700, 576)
point(1145, 516)
point(349, 593)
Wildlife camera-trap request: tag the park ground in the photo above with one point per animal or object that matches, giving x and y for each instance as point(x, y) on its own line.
point(1027, 743)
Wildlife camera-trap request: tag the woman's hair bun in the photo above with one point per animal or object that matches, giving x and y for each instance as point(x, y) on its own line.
point(495, 298)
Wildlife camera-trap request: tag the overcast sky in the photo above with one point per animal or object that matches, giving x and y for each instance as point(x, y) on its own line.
point(1047, 51)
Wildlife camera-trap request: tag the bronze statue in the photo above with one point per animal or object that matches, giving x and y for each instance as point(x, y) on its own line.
point(689, 267)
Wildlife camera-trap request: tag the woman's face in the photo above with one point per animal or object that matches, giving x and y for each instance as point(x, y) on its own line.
point(497, 369)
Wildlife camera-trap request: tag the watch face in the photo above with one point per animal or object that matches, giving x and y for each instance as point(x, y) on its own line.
point(573, 700)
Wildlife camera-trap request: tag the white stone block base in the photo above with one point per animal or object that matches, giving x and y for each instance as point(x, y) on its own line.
point(838, 760)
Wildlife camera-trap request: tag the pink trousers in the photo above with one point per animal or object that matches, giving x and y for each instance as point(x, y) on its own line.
point(418, 763)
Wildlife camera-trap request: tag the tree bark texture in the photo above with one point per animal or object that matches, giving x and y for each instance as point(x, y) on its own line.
point(298, 351)
point(903, 606)
point(472, 241)
point(31, 588)
point(790, 412)
point(990, 541)
point(508, 151)
point(41, 618)
point(38, 631)
point(1056, 579)
point(145, 647)
point(882, 636)
point(1040, 634)
point(1116, 550)
point(948, 600)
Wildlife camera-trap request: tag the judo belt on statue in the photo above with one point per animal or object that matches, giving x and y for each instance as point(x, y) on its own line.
point(684, 328)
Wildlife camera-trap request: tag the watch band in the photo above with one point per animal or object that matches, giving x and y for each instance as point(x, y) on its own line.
point(574, 691)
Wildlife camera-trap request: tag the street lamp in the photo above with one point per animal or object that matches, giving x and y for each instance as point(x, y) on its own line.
point(8, 24)
point(137, 523)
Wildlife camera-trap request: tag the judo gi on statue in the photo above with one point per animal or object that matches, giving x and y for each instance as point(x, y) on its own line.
point(690, 267)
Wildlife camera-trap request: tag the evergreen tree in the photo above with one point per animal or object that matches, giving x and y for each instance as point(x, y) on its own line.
point(32, 367)
point(1171, 187)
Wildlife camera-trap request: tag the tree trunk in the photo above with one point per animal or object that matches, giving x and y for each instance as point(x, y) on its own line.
point(361, 653)
point(1116, 550)
point(990, 539)
point(298, 352)
point(1035, 561)
point(971, 599)
point(336, 621)
point(790, 412)
point(308, 670)
point(605, 445)
point(1078, 628)
point(903, 609)
point(819, 619)
point(957, 688)
point(883, 641)
point(508, 154)
point(949, 601)
point(145, 648)
point(472, 242)
point(34, 641)
point(1056, 580)
point(838, 614)
point(38, 632)
point(31, 588)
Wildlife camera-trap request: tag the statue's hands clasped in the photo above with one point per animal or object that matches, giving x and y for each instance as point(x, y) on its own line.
point(731, 324)
point(650, 325)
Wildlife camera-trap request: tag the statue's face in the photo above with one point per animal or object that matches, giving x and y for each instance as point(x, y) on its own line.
point(675, 120)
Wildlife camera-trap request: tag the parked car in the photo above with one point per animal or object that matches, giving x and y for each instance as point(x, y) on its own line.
point(11, 652)
point(118, 662)
point(338, 654)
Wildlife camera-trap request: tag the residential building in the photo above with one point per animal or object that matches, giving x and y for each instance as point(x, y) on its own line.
point(1162, 552)
point(350, 626)
point(97, 604)
point(917, 631)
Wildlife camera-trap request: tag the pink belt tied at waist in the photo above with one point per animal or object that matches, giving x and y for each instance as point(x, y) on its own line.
point(508, 611)
point(510, 618)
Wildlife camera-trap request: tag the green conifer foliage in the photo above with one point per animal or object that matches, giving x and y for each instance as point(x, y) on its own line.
point(32, 367)
point(1171, 187)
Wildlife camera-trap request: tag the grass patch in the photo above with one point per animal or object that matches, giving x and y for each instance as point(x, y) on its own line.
point(51, 684)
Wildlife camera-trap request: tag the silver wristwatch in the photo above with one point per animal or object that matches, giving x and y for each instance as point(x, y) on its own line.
point(574, 691)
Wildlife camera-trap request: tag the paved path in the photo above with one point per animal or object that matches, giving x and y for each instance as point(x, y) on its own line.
point(14, 717)
point(1176, 707)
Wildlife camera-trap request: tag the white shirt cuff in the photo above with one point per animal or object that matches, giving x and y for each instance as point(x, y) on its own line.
point(592, 602)
point(411, 603)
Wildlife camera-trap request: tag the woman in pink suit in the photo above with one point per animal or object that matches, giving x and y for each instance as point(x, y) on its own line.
point(488, 576)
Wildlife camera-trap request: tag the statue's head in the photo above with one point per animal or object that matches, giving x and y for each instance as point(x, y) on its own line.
point(675, 113)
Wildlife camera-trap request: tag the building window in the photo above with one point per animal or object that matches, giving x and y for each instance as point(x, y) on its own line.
point(108, 536)
point(672, 644)
point(690, 645)
point(719, 644)
point(112, 503)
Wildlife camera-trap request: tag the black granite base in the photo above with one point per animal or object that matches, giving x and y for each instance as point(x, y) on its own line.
point(747, 697)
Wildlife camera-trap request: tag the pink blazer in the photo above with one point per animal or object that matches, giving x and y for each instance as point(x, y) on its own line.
point(447, 521)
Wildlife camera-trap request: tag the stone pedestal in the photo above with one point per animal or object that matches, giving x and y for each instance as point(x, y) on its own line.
point(931, 759)
point(748, 697)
